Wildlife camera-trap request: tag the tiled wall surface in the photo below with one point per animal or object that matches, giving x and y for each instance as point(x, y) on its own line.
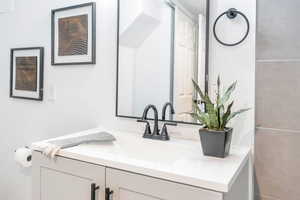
point(277, 145)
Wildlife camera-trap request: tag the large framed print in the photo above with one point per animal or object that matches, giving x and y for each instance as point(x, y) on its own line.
point(74, 35)
point(27, 73)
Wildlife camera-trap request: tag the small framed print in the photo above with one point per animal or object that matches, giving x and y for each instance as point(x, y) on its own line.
point(27, 73)
point(74, 35)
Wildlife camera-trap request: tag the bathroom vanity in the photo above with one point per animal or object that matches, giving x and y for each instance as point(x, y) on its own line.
point(133, 168)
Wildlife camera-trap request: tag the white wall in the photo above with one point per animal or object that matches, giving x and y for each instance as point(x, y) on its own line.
point(236, 63)
point(86, 94)
point(6, 5)
point(79, 89)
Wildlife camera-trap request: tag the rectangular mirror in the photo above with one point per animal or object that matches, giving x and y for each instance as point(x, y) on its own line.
point(162, 46)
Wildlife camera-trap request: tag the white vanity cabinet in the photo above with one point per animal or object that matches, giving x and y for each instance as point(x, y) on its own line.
point(69, 179)
point(130, 186)
point(66, 179)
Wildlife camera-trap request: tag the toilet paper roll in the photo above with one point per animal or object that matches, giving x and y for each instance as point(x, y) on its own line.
point(23, 157)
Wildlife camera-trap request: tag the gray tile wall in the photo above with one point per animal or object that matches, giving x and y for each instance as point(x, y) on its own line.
point(277, 145)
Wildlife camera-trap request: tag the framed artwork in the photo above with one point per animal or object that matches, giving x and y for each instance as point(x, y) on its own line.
point(74, 35)
point(27, 73)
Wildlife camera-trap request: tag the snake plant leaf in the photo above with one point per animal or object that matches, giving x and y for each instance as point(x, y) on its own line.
point(218, 92)
point(197, 117)
point(219, 103)
point(228, 92)
point(211, 115)
point(226, 115)
point(234, 114)
point(203, 96)
point(221, 114)
point(201, 117)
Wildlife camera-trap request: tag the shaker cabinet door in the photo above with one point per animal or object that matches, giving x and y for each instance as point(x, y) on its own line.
point(66, 179)
point(130, 186)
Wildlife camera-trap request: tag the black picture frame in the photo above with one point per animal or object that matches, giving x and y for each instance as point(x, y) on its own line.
point(40, 89)
point(207, 31)
point(93, 29)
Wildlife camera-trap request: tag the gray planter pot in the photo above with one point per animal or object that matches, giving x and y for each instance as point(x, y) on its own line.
point(216, 143)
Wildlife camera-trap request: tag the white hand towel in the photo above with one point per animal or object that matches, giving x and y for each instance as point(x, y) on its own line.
point(51, 148)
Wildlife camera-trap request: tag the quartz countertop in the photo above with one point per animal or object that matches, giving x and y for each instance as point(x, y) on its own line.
point(176, 160)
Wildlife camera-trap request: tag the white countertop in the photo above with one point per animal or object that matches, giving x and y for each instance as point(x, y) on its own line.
point(176, 160)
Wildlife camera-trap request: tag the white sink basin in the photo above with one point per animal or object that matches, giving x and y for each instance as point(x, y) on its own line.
point(134, 147)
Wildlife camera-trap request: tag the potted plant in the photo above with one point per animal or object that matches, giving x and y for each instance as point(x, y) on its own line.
point(215, 135)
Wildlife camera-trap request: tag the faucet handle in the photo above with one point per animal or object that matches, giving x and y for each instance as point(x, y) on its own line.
point(147, 132)
point(164, 131)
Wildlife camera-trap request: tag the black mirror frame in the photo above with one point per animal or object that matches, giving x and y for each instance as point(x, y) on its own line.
point(206, 63)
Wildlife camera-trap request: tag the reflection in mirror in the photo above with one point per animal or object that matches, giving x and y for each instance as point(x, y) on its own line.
point(161, 48)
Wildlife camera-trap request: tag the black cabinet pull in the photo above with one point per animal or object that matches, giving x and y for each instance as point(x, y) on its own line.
point(108, 192)
point(93, 191)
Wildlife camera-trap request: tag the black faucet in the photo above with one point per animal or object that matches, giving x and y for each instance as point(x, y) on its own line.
point(164, 131)
point(148, 133)
point(165, 109)
point(156, 132)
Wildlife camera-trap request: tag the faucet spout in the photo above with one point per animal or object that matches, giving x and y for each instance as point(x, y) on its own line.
point(165, 109)
point(145, 114)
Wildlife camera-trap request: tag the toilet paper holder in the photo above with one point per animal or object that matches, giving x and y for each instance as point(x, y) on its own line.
point(29, 158)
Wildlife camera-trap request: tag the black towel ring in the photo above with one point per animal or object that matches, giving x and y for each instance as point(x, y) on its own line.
point(231, 14)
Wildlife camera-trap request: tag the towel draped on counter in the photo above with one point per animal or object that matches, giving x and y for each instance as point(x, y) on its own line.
point(51, 148)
